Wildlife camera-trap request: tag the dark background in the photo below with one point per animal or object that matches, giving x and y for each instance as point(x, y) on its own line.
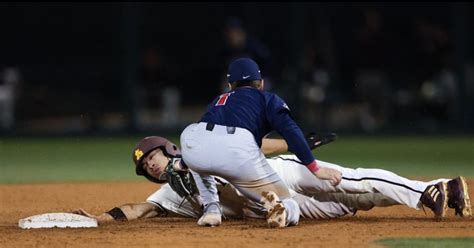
point(345, 67)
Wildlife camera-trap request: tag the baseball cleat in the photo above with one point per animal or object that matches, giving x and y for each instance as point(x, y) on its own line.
point(276, 216)
point(458, 195)
point(212, 215)
point(435, 197)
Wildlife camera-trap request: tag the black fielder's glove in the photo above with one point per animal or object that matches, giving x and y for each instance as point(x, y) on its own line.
point(316, 140)
point(182, 182)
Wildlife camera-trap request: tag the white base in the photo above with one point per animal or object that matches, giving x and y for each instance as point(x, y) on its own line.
point(61, 220)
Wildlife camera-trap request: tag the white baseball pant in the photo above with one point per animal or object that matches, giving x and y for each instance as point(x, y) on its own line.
point(236, 157)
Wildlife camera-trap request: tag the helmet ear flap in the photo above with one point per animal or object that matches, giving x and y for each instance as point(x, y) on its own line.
point(172, 150)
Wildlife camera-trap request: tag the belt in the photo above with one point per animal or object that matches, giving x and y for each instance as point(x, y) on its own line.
point(210, 126)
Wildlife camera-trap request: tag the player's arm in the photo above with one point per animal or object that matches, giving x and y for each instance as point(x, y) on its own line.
point(281, 121)
point(126, 212)
point(274, 146)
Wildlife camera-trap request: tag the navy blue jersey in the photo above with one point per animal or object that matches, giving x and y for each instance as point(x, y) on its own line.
point(260, 112)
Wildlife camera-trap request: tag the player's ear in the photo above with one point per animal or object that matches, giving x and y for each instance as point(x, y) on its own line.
point(262, 84)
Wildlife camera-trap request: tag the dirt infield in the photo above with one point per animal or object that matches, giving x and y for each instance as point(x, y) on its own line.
point(20, 201)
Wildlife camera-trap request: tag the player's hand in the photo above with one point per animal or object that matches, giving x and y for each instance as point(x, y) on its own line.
point(334, 176)
point(178, 165)
point(83, 212)
point(100, 218)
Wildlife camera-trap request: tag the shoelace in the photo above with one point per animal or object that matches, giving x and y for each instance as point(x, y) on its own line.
point(218, 207)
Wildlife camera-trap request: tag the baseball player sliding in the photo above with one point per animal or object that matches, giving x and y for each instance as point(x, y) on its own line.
point(158, 160)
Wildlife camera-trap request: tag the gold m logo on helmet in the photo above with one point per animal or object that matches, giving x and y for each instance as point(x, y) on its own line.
point(138, 154)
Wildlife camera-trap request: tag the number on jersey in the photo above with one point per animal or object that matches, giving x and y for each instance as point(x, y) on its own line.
point(223, 99)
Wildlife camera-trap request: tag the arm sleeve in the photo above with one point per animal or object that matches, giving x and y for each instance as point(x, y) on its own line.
point(278, 115)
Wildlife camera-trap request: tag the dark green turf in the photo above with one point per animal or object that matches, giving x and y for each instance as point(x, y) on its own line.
point(66, 159)
point(428, 242)
point(25, 160)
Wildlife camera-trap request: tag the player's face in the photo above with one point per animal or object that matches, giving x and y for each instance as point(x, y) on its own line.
point(155, 162)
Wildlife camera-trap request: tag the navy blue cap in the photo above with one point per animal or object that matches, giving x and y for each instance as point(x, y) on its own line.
point(243, 69)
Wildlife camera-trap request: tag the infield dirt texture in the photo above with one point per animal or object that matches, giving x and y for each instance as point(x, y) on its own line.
point(44, 175)
point(23, 200)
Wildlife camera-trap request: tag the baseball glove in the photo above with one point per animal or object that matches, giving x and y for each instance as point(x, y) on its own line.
point(182, 182)
point(316, 140)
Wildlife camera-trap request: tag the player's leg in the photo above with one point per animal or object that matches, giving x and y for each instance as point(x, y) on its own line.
point(256, 181)
point(329, 205)
point(321, 208)
point(402, 190)
point(437, 194)
point(212, 214)
point(252, 176)
point(195, 152)
point(235, 157)
point(365, 201)
point(411, 193)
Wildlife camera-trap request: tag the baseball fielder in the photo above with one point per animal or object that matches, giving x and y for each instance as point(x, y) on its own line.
point(154, 154)
point(227, 140)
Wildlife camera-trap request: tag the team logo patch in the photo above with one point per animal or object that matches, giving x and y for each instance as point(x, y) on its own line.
point(138, 154)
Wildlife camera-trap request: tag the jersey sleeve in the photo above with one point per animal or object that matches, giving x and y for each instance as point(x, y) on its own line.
point(278, 115)
point(157, 197)
point(171, 203)
point(275, 104)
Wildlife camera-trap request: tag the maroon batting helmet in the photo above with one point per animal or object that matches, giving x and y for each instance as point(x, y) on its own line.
point(149, 144)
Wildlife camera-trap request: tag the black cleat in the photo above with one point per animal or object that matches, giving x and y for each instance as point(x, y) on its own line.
point(435, 197)
point(458, 195)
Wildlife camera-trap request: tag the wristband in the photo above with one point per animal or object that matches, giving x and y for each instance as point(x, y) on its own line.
point(313, 167)
point(117, 214)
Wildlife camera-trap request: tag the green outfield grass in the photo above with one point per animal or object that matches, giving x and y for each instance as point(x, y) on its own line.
point(24, 160)
point(428, 242)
